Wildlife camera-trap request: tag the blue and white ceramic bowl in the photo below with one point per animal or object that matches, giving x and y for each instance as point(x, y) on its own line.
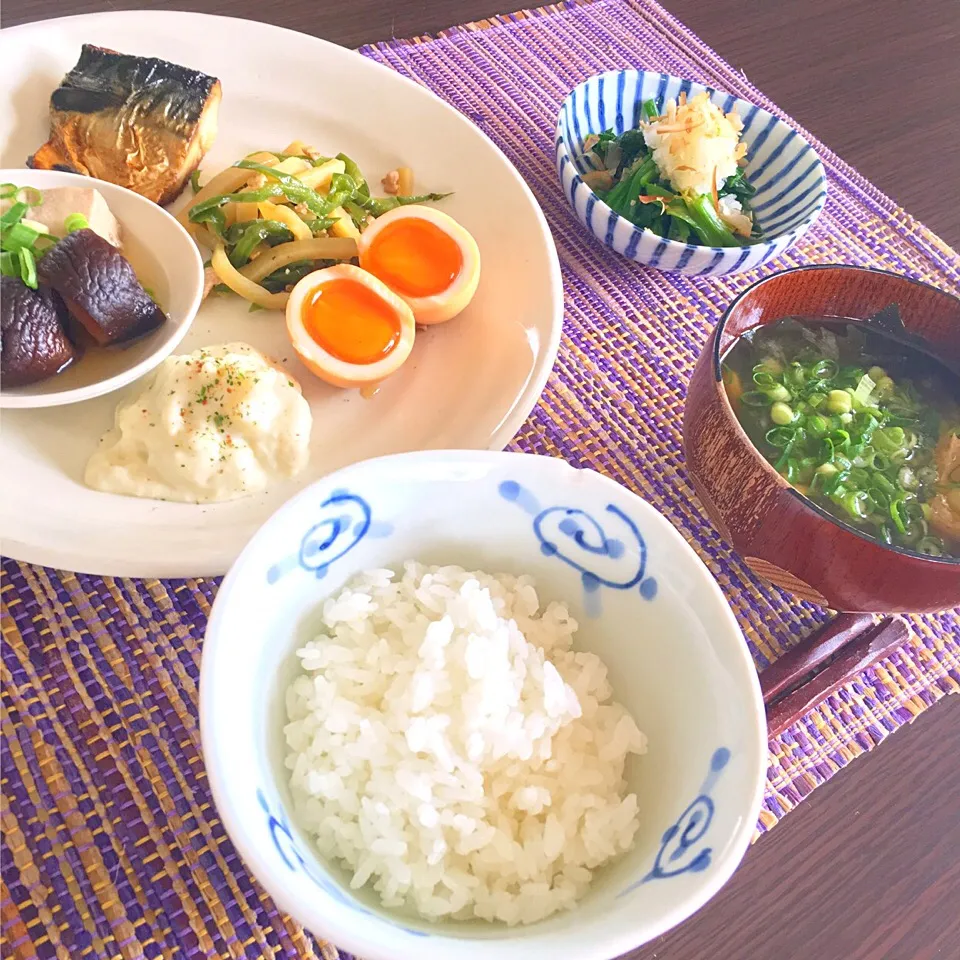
point(785, 169)
point(646, 604)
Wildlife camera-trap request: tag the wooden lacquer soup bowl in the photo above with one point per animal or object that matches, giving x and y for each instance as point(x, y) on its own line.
point(781, 535)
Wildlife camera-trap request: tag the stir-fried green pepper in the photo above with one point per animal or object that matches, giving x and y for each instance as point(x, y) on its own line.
point(351, 169)
point(342, 187)
point(313, 161)
point(289, 275)
point(242, 238)
point(209, 212)
point(380, 205)
point(319, 224)
point(359, 216)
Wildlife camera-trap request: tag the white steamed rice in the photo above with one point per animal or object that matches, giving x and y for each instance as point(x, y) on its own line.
point(447, 745)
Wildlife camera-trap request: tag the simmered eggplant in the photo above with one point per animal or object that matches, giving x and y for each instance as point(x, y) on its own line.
point(33, 341)
point(100, 289)
point(140, 122)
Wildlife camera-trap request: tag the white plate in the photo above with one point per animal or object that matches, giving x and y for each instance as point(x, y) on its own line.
point(469, 384)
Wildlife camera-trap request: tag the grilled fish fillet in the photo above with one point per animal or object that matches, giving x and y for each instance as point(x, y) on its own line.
point(140, 122)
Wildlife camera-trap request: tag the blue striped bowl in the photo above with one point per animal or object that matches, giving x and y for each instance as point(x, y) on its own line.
point(785, 169)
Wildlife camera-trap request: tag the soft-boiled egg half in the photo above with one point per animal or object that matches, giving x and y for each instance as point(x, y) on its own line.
point(425, 257)
point(348, 327)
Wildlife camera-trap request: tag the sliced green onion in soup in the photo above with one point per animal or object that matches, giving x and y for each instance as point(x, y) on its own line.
point(840, 439)
point(754, 398)
point(825, 369)
point(779, 437)
point(858, 504)
point(930, 546)
point(898, 515)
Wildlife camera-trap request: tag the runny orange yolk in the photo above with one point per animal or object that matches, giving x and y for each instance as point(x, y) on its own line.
point(351, 322)
point(414, 257)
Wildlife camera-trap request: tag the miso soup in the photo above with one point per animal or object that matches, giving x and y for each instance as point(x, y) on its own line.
point(857, 420)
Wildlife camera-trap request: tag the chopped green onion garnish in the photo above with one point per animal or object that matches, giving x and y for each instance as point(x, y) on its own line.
point(28, 267)
point(195, 181)
point(75, 222)
point(14, 215)
point(9, 264)
point(30, 196)
point(19, 235)
point(8, 191)
point(41, 228)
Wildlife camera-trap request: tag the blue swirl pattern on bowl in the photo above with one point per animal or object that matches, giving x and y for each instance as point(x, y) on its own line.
point(681, 850)
point(581, 541)
point(342, 521)
point(785, 169)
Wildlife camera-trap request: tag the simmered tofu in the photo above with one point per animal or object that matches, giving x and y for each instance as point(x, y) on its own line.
point(60, 202)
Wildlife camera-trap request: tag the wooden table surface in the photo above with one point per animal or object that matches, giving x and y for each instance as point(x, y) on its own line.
point(868, 868)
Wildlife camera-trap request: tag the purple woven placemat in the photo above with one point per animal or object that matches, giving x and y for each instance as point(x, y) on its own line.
point(111, 845)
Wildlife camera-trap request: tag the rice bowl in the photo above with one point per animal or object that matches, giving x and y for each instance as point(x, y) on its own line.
point(646, 607)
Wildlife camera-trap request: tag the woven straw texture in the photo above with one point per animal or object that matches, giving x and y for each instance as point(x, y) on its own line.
point(111, 846)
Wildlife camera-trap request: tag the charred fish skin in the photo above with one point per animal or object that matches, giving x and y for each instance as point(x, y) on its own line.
point(140, 122)
point(100, 288)
point(33, 341)
point(167, 94)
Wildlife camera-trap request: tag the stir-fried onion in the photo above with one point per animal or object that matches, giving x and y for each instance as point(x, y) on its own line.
point(245, 287)
point(319, 248)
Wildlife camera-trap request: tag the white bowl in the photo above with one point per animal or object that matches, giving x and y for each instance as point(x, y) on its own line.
point(785, 169)
point(647, 606)
point(166, 260)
